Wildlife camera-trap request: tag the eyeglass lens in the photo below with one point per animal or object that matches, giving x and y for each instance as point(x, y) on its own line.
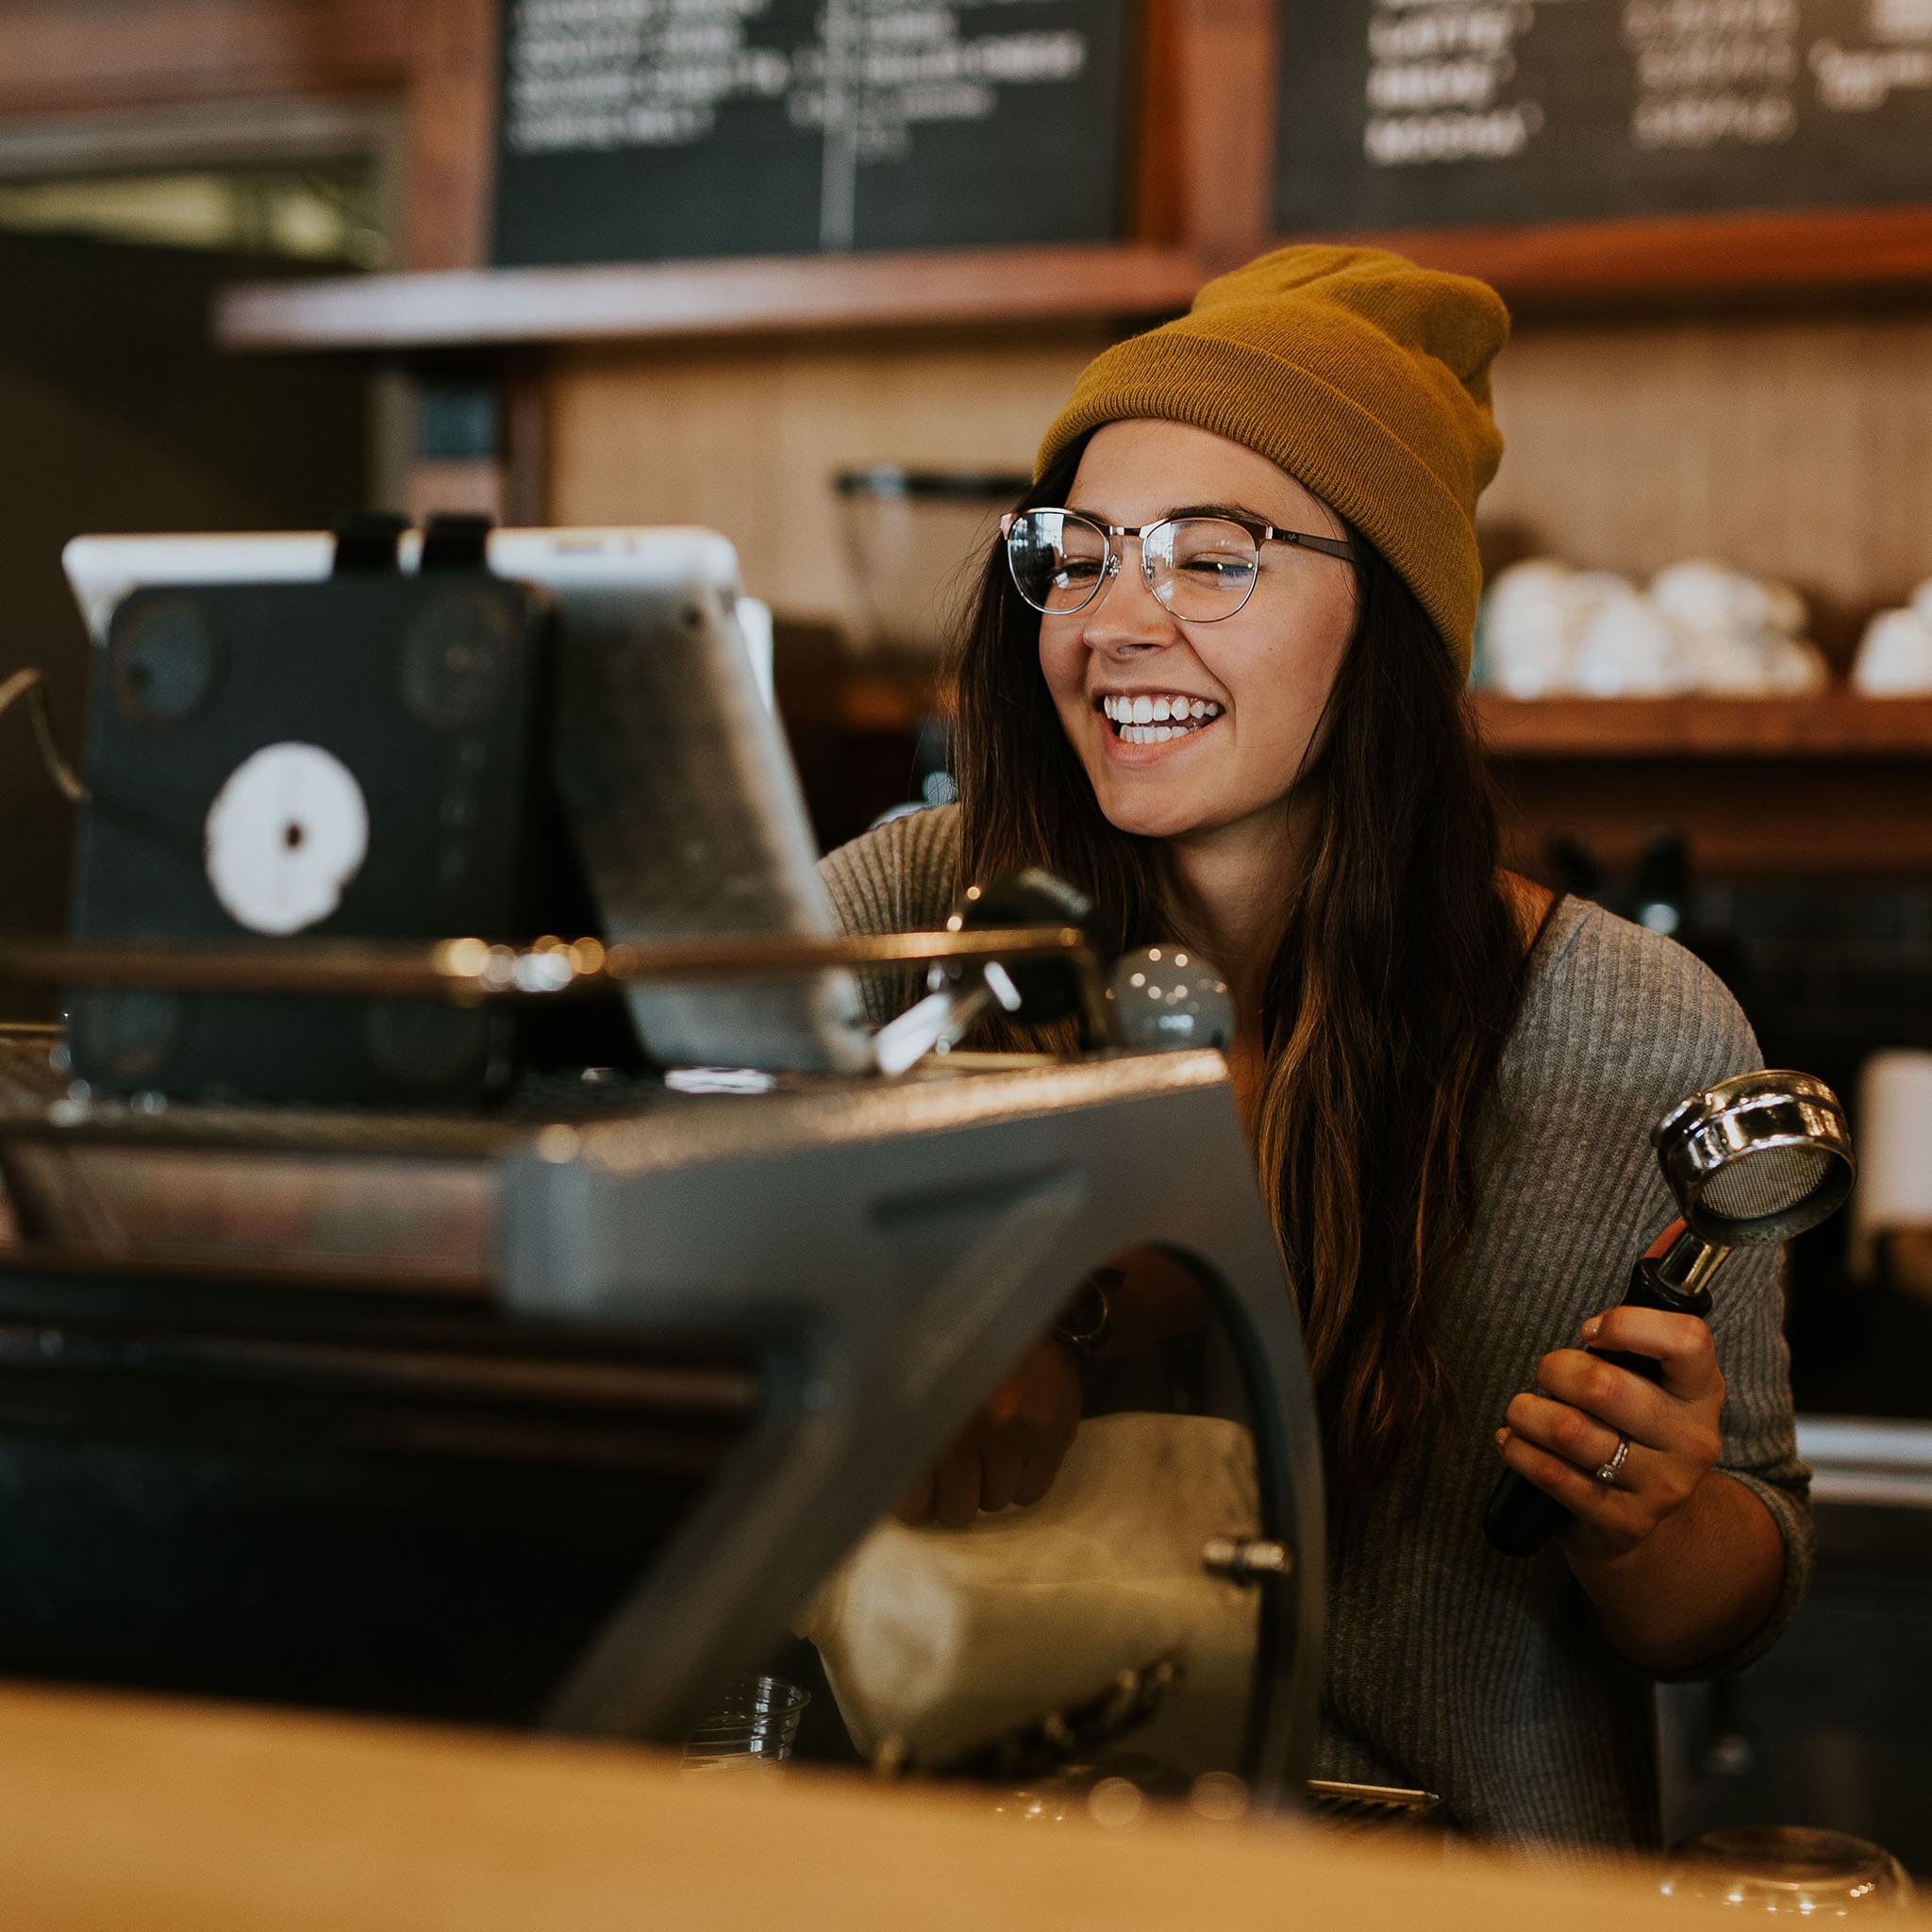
point(1201, 568)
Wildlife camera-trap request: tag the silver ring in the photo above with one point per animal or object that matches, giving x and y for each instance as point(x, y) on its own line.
point(1608, 1473)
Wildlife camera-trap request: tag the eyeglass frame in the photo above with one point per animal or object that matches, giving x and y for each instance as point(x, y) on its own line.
point(1258, 534)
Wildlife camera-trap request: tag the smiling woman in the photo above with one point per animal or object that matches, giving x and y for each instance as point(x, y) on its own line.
point(1259, 521)
point(1262, 650)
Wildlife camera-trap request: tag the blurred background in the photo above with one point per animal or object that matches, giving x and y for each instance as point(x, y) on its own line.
point(817, 275)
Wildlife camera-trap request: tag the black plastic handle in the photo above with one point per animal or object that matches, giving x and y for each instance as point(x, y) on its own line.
point(1521, 1517)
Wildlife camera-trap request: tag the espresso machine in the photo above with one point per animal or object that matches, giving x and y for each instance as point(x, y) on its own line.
point(485, 1274)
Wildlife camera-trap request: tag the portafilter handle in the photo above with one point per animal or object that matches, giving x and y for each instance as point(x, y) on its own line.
point(1521, 1517)
point(1752, 1160)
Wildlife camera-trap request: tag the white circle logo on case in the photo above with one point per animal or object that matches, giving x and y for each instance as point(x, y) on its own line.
point(288, 833)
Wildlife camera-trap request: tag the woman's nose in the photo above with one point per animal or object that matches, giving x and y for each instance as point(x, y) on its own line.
point(1126, 616)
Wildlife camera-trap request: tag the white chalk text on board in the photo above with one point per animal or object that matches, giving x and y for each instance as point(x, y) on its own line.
point(1401, 112)
point(633, 129)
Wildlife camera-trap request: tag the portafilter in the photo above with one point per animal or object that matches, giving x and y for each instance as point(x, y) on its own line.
point(1754, 1160)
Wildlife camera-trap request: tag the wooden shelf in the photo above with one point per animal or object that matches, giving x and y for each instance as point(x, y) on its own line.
point(1838, 726)
point(670, 300)
point(1586, 262)
point(1780, 252)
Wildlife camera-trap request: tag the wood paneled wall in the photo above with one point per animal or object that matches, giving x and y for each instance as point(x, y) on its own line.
point(748, 438)
point(1790, 446)
point(1794, 446)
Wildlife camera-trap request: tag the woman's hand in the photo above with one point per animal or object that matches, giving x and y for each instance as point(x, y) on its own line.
point(1560, 1438)
point(1011, 1449)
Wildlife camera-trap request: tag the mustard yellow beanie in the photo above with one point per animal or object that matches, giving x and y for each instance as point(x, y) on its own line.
point(1365, 377)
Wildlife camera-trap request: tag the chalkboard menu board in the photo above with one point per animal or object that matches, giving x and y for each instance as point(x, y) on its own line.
point(1396, 114)
point(640, 129)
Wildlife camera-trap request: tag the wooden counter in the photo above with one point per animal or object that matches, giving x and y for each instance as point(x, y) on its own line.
point(125, 1814)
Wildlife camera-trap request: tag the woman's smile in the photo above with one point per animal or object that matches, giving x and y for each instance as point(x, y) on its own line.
point(1142, 728)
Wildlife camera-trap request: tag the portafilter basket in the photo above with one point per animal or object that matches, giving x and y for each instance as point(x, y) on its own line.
point(1758, 1158)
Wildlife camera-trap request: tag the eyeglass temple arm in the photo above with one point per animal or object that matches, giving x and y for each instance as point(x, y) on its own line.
point(1328, 546)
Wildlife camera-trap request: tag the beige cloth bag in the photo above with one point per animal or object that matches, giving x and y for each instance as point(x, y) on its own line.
point(939, 1639)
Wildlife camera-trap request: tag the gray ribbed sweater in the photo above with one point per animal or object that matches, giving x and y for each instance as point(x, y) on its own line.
point(1449, 1667)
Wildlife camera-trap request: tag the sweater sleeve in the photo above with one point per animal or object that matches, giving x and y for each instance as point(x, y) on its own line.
point(900, 877)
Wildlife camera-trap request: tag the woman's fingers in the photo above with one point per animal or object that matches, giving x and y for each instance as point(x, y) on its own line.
point(1559, 1436)
point(1682, 1428)
point(1002, 1469)
point(1604, 1507)
point(915, 1507)
point(957, 1485)
point(1044, 1455)
point(1681, 1343)
point(1579, 1438)
point(1011, 1451)
point(1622, 1402)
point(985, 1469)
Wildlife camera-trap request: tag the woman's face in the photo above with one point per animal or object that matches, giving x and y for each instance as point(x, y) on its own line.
point(1269, 668)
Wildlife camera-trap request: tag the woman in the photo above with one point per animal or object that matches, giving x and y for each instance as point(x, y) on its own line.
point(1215, 677)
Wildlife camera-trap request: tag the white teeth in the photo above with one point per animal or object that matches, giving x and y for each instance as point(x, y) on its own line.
point(1140, 720)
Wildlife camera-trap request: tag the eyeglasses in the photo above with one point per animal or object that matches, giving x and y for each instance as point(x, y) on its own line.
point(1201, 568)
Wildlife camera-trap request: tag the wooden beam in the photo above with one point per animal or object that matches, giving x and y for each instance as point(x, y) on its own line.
point(710, 298)
point(1834, 725)
point(83, 56)
point(1682, 255)
point(453, 136)
point(1225, 87)
point(1615, 261)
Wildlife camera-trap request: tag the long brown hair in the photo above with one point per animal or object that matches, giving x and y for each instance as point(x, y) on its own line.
point(1385, 1006)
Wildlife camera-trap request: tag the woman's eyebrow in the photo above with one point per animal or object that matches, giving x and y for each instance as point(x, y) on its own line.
point(1242, 512)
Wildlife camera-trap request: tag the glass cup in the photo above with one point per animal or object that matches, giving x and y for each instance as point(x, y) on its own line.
point(1788, 1868)
point(756, 1724)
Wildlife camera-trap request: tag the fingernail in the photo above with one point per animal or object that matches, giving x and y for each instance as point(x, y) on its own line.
point(1502, 1436)
point(1590, 1326)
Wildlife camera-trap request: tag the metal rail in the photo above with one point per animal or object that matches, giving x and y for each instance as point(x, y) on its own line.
point(471, 972)
point(477, 970)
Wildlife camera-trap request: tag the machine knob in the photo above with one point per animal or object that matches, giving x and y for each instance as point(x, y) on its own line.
point(1166, 999)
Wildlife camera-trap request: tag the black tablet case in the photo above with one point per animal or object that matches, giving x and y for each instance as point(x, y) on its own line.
point(431, 689)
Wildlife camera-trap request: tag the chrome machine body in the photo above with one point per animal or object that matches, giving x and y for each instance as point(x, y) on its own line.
point(728, 1328)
